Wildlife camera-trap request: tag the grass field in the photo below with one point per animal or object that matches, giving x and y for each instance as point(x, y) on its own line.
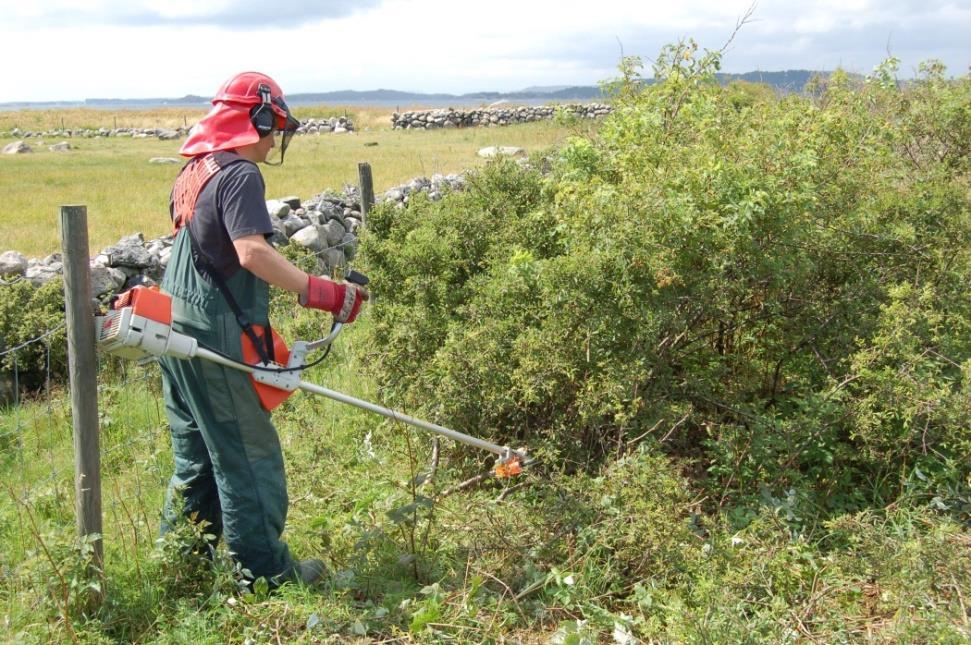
point(125, 194)
point(172, 117)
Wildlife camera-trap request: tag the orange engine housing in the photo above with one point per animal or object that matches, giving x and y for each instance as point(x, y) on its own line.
point(147, 302)
point(270, 397)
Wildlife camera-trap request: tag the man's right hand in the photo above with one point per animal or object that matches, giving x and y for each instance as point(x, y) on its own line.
point(354, 297)
point(341, 299)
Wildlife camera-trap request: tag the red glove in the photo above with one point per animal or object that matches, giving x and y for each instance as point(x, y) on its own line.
point(341, 299)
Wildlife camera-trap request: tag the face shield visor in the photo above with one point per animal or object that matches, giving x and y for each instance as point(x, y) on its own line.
point(286, 127)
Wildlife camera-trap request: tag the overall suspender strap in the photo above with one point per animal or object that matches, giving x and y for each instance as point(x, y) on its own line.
point(264, 346)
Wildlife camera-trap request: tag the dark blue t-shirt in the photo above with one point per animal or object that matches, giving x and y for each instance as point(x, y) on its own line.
point(231, 205)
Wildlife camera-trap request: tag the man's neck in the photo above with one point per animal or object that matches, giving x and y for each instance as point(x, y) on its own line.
point(249, 153)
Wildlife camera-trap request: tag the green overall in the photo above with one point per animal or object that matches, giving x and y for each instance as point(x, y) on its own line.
point(228, 463)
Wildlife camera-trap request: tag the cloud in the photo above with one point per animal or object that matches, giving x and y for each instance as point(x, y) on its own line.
point(151, 48)
point(225, 14)
point(851, 33)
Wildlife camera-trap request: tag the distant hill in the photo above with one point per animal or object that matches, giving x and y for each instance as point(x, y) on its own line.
point(793, 80)
point(188, 99)
point(790, 80)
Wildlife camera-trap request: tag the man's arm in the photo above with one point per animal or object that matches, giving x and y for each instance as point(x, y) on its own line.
point(341, 299)
point(265, 262)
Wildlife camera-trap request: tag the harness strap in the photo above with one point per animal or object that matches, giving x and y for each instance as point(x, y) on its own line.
point(263, 347)
point(193, 178)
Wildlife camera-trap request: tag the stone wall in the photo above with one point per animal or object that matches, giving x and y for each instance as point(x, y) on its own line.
point(90, 133)
point(310, 126)
point(327, 224)
point(486, 117)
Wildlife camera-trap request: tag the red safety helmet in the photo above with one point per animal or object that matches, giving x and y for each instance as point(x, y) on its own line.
point(246, 108)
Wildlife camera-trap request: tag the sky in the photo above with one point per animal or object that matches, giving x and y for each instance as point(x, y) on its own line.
point(77, 49)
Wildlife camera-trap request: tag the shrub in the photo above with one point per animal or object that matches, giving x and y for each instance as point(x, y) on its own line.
point(775, 290)
point(27, 313)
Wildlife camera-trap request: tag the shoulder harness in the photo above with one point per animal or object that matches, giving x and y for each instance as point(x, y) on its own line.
point(193, 178)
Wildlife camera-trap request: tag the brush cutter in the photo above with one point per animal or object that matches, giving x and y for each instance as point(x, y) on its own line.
point(139, 326)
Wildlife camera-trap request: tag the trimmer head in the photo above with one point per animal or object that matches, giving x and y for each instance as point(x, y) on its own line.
point(511, 463)
point(509, 468)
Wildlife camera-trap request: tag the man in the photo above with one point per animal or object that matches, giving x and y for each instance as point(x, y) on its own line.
point(228, 463)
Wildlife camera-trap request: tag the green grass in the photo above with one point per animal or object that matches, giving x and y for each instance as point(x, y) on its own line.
point(521, 568)
point(328, 469)
point(125, 194)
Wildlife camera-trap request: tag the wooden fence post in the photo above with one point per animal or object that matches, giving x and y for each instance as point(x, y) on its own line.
point(83, 371)
point(367, 190)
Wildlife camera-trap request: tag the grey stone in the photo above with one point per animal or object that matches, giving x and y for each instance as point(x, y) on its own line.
point(309, 237)
point(292, 201)
point(349, 246)
point(279, 238)
point(332, 259)
point(63, 146)
point(40, 275)
point(168, 135)
point(352, 224)
point(277, 208)
point(330, 210)
point(128, 253)
point(496, 151)
point(12, 263)
point(164, 160)
point(16, 148)
point(139, 281)
point(105, 280)
point(333, 232)
point(118, 276)
point(394, 195)
point(292, 224)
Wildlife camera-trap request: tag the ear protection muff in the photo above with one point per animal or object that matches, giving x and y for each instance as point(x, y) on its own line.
point(261, 115)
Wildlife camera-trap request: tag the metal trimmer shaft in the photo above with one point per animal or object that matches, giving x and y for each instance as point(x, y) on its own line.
point(503, 452)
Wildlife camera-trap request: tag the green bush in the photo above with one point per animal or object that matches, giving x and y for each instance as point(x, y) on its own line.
point(27, 313)
point(774, 290)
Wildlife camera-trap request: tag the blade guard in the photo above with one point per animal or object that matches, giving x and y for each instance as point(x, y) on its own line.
point(270, 397)
point(509, 468)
